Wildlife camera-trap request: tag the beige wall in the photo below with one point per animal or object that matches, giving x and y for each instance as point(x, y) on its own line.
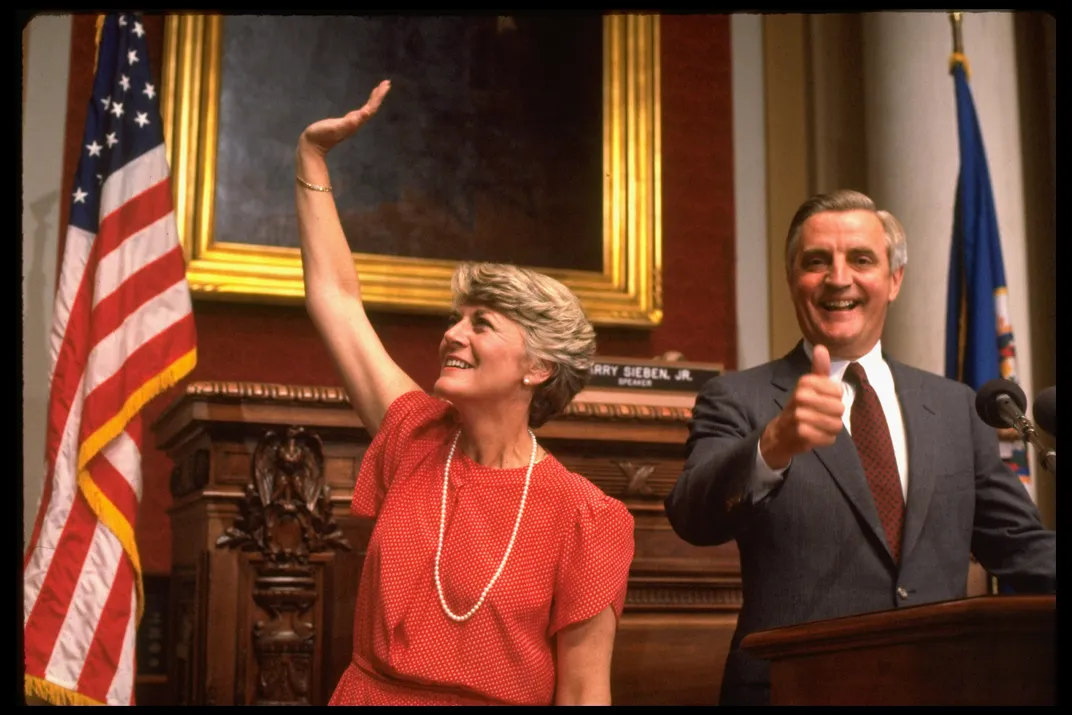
point(1036, 45)
point(46, 51)
point(749, 191)
point(788, 158)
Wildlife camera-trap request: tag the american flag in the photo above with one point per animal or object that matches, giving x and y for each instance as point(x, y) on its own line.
point(122, 332)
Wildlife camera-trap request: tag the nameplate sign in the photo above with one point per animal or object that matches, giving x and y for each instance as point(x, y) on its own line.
point(651, 375)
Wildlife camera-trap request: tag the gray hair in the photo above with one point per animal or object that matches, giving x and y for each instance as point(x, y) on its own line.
point(554, 325)
point(847, 200)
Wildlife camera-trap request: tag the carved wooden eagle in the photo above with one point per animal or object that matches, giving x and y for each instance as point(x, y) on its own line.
point(288, 467)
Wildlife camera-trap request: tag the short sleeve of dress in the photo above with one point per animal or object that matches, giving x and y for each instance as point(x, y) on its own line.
point(409, 429)
point(593, 569)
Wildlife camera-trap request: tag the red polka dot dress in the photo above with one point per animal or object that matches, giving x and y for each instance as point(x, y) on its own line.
point(570, 560)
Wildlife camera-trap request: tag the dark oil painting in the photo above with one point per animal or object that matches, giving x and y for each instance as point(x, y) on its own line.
point(488, 147)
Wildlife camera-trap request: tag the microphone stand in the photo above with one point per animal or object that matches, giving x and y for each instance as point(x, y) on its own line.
point(1047, 456)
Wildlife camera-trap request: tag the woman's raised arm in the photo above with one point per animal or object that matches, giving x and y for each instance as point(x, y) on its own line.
point(332, 287)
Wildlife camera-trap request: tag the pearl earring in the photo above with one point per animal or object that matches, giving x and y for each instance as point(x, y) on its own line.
point(525, 380)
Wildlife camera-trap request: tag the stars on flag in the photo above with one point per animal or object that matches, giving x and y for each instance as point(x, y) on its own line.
point(116, 108)
point(124, 122)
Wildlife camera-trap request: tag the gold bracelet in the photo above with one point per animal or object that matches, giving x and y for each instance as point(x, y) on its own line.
point(312, 187)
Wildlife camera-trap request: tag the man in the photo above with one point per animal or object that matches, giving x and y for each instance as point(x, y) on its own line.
point(851, 482)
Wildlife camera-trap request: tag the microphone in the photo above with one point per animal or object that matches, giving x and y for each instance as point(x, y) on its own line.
point(1001, 403)
point(1045, 410)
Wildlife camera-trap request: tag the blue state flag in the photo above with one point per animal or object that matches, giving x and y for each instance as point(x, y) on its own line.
point(979, 335)
point(979, 338)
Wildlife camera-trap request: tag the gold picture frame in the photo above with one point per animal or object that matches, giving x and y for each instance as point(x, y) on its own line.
point(627, 292)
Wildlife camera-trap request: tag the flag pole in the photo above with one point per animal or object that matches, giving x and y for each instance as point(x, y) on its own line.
point(96, 43)
point(958, 42)
point(958, 57)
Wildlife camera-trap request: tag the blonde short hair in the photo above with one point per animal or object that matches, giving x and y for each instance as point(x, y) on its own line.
point(847, 200)
point(553, 322)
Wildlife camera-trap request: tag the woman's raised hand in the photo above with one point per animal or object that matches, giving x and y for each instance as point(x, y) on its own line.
point(326, 133)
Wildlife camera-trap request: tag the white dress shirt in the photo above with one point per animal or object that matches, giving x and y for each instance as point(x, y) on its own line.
point(881, 379)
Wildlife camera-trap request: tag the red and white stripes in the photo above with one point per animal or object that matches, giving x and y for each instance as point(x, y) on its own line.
point(122, 332)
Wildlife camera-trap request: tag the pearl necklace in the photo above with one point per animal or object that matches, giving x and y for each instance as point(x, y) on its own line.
point(442, 525)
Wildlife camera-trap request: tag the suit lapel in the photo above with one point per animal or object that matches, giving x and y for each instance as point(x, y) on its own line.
point(839, 459)
point(920, 423)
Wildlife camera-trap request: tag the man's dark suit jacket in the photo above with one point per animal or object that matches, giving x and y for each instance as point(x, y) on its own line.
point(814, 548)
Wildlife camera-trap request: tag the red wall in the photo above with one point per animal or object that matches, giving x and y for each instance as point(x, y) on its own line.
point(275, 344)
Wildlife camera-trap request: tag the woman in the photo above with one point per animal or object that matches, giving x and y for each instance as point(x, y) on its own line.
point(493, 574)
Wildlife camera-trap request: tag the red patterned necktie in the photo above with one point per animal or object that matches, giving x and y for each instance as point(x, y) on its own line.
point(871, 435)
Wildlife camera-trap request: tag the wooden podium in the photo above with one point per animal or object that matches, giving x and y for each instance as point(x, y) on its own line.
point(989, 650)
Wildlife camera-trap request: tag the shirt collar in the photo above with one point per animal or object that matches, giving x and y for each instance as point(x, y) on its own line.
point(872, 362)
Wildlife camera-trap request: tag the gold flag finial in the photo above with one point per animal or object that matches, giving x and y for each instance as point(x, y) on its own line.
point(958, 57)
point(958, 41)
point(96, 43)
